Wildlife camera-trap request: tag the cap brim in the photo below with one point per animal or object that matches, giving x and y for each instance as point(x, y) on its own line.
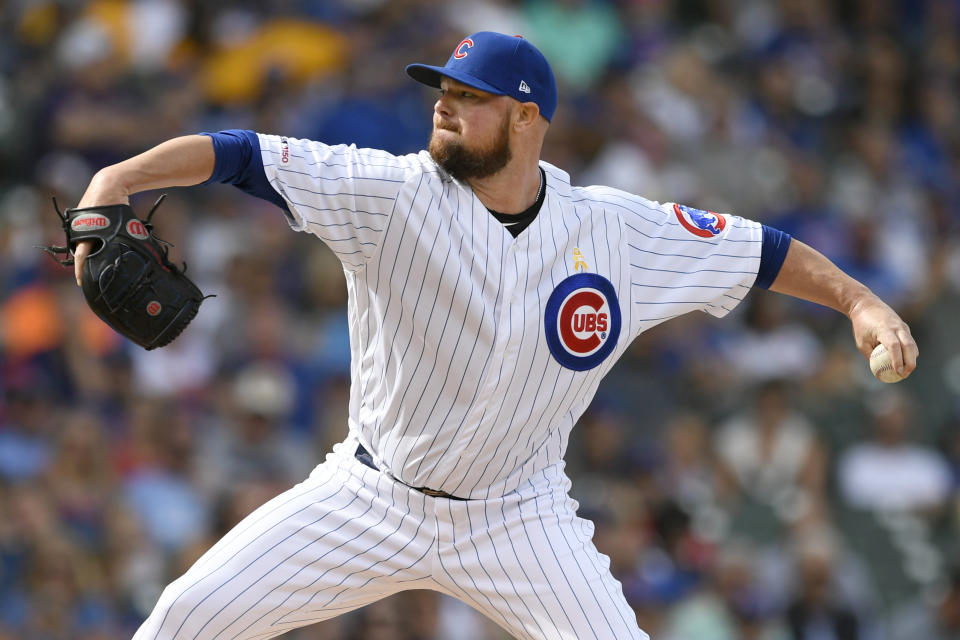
point(430, 76)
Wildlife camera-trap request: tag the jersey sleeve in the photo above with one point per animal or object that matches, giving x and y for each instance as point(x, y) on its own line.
point(684, 259)
point(343, 195)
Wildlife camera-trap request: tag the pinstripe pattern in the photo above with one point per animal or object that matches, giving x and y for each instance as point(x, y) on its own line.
point(349, 536)
point(527, 562)
point(453, 387)
point(343, 538)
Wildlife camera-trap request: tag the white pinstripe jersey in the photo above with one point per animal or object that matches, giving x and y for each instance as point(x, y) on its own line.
point(453, 383)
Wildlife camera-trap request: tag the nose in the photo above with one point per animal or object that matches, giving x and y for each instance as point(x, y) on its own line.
point(442, 106)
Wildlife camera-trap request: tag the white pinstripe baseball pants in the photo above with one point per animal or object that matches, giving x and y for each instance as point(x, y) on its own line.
point(349, 535)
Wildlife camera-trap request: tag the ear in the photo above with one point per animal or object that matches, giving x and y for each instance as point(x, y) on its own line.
point(525, 114)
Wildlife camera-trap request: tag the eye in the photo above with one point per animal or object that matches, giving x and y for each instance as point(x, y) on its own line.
point(462, 93)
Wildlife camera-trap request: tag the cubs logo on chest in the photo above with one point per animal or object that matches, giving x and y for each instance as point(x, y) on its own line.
point(582, 321)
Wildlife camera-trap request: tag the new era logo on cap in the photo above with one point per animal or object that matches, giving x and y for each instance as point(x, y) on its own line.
point(500, 64)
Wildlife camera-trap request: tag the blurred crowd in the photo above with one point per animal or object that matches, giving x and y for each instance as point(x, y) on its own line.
point(748, 477)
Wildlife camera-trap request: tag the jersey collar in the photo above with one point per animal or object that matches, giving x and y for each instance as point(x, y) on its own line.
point(557, 179)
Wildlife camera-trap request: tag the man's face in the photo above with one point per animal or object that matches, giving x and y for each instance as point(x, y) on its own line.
point(471, 131)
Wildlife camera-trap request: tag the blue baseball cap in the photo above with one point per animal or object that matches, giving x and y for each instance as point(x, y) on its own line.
point(500, 64)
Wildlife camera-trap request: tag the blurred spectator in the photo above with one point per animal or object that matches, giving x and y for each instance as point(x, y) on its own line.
point(64, 593)
point(456, 620)
point(135, 567)
point(158, 488)
point(772, 454)
point(678, 95)
point(771, 344)
point(25, 430)
point(255, 445)
point(890, 471)
point(30, 322)
point(602, 448)
point(491, 15)
point(81, 478)
point(886, 209)
point(734, 608)
point(252, 55)
point(688, 471)
point(375, 106)
point(819, 610)
point(948, 610)
point(950, 446)
point(579, 37)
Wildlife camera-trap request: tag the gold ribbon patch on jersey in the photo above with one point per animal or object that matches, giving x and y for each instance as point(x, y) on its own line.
point(579, 262)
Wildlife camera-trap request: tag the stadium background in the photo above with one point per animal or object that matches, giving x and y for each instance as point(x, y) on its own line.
point(836, 121)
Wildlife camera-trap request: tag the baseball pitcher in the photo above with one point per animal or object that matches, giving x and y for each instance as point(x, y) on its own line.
point(488, 297)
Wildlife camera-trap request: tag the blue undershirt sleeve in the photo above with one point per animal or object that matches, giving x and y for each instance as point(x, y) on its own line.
point(238, 162)
point(772, 255)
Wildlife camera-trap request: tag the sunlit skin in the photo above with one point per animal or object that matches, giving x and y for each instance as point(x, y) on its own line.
point(474, 147)
point(478, 120)
point(469, 115)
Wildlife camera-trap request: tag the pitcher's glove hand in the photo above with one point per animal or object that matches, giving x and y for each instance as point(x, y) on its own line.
point(127, 279)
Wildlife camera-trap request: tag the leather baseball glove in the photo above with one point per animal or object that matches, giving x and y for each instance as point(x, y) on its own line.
point(127, 279)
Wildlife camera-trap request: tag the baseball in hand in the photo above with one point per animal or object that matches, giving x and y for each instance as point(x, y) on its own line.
point(882, 366)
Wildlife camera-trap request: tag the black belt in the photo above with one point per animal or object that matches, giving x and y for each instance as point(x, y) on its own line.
point(364, 456)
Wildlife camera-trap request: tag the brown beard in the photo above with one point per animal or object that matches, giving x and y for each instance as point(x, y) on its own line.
point(464, 163)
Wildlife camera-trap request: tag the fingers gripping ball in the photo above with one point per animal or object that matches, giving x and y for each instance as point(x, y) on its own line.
point(127, 279)
point(882, 365)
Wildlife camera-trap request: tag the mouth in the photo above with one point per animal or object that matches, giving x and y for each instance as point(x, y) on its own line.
point(445, 127)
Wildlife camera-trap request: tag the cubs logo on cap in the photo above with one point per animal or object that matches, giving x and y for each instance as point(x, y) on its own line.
point(461, 51)
point(499, 64)
point(705, 224)
point(582, 321)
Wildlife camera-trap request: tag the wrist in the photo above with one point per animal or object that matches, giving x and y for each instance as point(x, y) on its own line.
point(112, 180)
point(106, 187)
point(857, 299)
